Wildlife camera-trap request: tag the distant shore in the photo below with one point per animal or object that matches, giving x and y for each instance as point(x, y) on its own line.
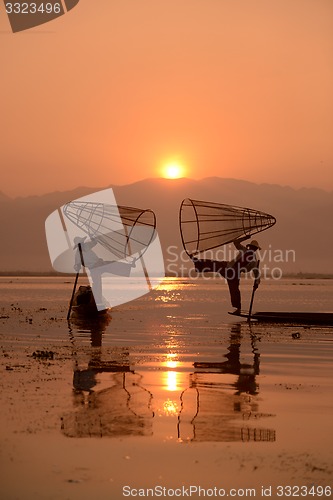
point(50, 274)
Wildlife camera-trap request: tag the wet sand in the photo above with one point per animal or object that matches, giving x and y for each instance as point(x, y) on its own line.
point(167, 391)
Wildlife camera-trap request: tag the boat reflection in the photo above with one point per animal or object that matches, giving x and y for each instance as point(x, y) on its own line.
point(91, 327)
point(206, 401)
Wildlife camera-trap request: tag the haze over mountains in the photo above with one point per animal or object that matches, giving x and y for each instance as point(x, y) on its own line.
point(303, 232)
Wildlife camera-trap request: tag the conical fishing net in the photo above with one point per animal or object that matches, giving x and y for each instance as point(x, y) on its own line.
point(205, 225)
point(123, 231)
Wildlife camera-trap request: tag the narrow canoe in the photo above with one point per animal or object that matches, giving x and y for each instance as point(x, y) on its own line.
point(84, 304)
point(306, 318)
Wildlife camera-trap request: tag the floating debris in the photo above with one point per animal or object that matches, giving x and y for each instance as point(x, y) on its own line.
point(15, 307)
point(43, 355)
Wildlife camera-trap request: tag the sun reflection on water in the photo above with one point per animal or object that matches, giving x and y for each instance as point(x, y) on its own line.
point(170, 407)
point(171, 381)
point(170, 378)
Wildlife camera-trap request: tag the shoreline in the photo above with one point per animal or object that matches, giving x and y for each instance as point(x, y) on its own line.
point(50, 274)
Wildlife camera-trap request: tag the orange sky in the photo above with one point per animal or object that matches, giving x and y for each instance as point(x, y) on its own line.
point(109, 92)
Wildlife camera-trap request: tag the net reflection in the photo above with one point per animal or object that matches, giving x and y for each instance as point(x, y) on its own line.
point(217, 407)
point(122, 409)
point(200, 401)
point(108, 396)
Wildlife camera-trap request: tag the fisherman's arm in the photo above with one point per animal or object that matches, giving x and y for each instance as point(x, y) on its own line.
point(238, 243)
point(90, 244)
point(256, 274)
point(78, 263)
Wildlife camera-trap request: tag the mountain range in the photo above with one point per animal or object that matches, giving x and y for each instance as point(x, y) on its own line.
point(300, 242)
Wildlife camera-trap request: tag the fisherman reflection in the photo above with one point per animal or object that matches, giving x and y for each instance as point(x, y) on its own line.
point(246, 381)
point(246, 372)
point(84, 380)
point(95, 326)
point(245, 261)
point(109, 398)
point(216, 409)
point(85, 256)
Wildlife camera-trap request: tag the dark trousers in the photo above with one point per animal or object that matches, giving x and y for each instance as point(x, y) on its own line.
point(231, 274)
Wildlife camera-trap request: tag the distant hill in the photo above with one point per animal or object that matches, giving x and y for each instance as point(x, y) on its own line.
point(304, 220)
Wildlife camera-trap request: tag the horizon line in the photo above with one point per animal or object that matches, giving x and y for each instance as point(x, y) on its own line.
point(164, 179)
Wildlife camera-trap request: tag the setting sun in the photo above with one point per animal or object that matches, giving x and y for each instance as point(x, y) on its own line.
point(173, 170)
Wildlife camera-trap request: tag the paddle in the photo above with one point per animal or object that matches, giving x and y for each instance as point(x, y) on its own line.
point(72, 298)
point(75, 283)
point(255, 286)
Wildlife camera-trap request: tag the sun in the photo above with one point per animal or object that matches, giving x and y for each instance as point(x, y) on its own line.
point(173, 170)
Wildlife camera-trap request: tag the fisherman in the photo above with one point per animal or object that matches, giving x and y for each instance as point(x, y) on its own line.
point(97, 266)
point(245, 261)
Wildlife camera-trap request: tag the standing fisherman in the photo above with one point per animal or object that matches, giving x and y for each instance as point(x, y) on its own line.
point(97, 266)
point(245, 261)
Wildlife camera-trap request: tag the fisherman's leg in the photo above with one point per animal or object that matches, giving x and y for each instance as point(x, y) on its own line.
point(209, 266)
point(235, 295)
point(96, 277)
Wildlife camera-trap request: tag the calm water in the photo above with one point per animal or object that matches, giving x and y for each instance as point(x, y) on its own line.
point(174, 369)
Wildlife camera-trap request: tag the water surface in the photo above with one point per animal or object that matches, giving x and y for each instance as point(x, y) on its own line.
point(166, 390)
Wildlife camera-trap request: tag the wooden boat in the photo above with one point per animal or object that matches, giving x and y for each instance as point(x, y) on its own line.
point(300, 318)
point(84, 304)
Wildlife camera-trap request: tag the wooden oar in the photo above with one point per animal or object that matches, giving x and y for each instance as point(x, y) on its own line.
point(75, 283)
point(72, 298)
point(252, 297)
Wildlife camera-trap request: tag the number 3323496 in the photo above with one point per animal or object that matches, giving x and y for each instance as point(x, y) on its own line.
point(33, 8)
